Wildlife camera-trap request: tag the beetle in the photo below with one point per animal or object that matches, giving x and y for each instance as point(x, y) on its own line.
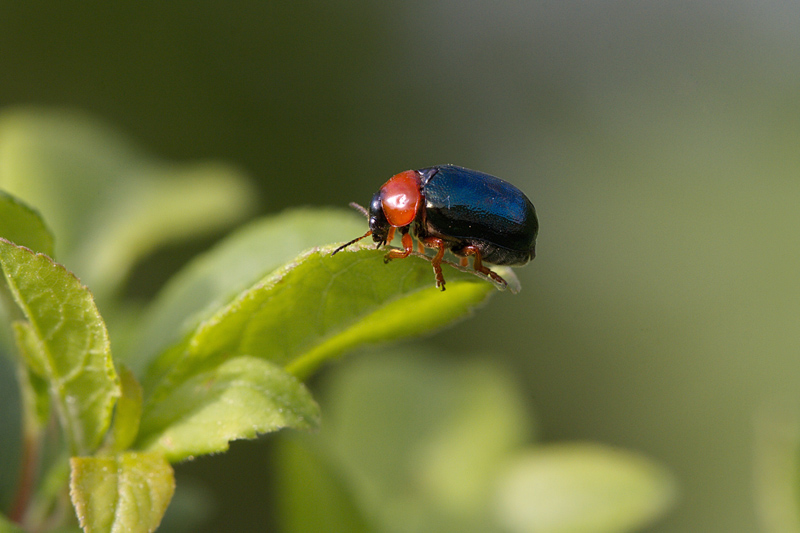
point(453, 208)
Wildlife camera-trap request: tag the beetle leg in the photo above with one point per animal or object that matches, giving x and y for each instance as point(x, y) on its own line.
point(408, 247)
point(389, 237)
point(464, 262)
point(436, 262)
point(420, 247)
point(477, 264)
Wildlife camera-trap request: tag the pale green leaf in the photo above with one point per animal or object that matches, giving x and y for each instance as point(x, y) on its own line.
point(238, 399)
point(23, 225)
point(309, 310)
point(318, 307)
point(311, 497)
point(48, 156)
point(128, 412)
point(415, 441)
point(158, 206)
point(126, 493)
point(582, 488)
point(109, 202)
point(777, 471)
point(213, 279)
point(6, 526)
point(65, 341)
point(30, 373)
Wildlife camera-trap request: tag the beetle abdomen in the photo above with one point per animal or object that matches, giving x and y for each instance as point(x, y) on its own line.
point(491, 253)
point(473, 208)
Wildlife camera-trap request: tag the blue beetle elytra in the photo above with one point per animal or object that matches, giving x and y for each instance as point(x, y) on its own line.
point(457, 209)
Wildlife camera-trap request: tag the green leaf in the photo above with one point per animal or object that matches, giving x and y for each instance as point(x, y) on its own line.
point(122, 203)
point(65, 342)
point(191, 507)
point(121, 493)
point(318, 307)
point(6, 526)
point(157, 207)
point(238, 399)
point(412, 440)
point(310, 496)
point(213, 279)
point(49, 156)
point(128, 412)
point(584, 488)
point(310, 310)
point(23, 225)
point(34, 388)
point(777, 471)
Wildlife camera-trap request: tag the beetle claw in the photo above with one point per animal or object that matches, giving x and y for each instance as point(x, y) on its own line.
point(497, 278)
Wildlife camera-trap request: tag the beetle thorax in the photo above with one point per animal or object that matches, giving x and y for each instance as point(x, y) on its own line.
point(401, 198)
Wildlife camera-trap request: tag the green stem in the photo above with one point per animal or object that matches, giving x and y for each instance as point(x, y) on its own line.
point(31, 447)
point(27, 478)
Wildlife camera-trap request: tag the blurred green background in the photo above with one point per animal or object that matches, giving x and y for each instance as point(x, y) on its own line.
point(659, 141)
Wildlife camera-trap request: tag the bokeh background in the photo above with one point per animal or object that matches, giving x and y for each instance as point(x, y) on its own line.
point(659, 141)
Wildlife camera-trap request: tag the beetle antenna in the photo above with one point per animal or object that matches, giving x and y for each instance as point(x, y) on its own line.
point(360, 209)
point(342, 247)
